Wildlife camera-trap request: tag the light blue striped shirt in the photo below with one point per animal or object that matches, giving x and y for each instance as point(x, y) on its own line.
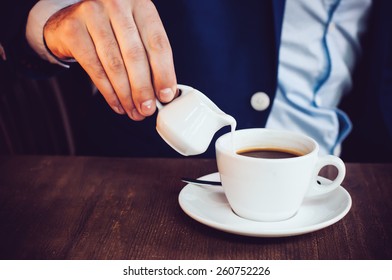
point(319, 47)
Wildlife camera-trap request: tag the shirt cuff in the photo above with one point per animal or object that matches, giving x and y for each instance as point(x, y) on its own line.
point(36, 21)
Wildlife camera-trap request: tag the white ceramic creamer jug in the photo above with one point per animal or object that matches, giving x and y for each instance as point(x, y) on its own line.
point(189, 122)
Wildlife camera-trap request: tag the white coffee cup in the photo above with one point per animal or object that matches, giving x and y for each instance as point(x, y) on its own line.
point(189, 122)
point(265, 189)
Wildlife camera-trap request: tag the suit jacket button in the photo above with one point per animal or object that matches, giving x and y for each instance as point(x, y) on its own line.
point(260, 101)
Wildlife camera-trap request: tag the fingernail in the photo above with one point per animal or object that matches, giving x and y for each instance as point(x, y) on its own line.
point(147, 107)
point(166, 94)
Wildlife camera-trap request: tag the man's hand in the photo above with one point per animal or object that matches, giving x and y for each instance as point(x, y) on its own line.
point(123, 47)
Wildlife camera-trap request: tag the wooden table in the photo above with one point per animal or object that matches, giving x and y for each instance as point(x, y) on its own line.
point(122, 208)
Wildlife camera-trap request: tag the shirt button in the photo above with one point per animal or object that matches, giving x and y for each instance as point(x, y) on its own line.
point(260, 101)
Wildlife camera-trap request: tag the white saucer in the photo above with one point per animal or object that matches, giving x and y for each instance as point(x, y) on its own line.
point(209, 206)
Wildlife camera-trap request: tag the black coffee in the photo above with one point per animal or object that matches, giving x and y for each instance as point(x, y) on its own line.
point(268, 153)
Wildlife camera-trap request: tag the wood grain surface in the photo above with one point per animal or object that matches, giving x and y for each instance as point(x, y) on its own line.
point(127, 208)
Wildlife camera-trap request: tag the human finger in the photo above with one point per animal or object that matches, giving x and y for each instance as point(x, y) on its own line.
point(134, 57)
point(108, 51)
point(158, 49)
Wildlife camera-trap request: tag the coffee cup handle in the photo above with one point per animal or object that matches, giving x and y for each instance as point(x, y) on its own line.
point(318, 186)
point(183, 90)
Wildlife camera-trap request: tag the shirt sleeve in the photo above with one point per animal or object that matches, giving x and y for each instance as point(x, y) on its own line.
point(36, 21)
